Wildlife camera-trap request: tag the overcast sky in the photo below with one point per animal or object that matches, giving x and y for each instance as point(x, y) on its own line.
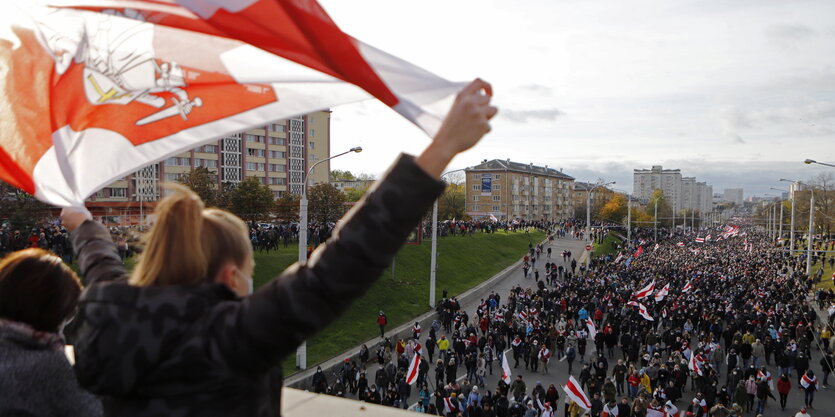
point(736, 93)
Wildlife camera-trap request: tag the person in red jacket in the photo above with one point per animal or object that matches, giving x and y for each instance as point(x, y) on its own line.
point(784, 385)
point(382, 321)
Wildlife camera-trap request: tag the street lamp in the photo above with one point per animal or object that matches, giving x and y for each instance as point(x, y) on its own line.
point(812, 161)
point(433, 267)
point(588, 217)
point(780, 232)
point(301, 352)
point(791, 236)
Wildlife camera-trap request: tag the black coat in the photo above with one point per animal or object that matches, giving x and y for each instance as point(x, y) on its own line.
point(203, 351)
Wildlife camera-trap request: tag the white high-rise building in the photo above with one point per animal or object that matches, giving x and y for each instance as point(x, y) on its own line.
point(646, 181)
point(733, 195)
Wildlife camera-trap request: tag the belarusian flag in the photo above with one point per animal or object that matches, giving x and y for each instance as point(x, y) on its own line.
point(94, 90)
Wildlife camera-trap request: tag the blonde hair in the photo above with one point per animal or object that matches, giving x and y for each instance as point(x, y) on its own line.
point(188, 243)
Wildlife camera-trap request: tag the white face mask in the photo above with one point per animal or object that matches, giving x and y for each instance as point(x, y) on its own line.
point(249, 282)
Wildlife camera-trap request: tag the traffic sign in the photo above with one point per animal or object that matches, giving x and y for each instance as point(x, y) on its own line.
point(588, 247)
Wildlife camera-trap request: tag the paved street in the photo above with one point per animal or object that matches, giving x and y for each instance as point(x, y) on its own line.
point(824, 399)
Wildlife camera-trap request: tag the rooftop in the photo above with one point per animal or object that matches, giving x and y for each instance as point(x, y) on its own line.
point(508, 165)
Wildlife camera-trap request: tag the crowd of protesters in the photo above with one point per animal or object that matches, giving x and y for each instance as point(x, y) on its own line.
point(736, 305)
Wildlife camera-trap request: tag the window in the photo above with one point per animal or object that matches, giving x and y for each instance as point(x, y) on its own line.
point(496, 208)
point(275, 127)
point(277, 167)
point(475, 207)
point(476, 176)
point(312, 145)
point(254, 166)
point(497, 176)
point(100, 193)
point(172, 177)
point(206, 163)
point(178, 162)
point(475, 198)
point(255, 152)
point(118, 192)
point(277, 154)
point(476, 187)
point(277, 141)
point(254, 138)
point(207, 149)
point(497, 198)
point(311, 119)
point(276, 181)
point(311, 133)
point(497, 187)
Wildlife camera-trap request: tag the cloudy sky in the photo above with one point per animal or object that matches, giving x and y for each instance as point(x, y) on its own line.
point(737, 93)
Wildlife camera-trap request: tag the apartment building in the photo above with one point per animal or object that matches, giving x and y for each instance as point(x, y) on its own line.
point(511, 190)
point(278, 155)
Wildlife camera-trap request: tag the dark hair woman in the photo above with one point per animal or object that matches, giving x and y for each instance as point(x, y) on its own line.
point(38, 294)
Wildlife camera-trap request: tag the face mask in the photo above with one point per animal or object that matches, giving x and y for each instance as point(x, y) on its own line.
point(249, 282)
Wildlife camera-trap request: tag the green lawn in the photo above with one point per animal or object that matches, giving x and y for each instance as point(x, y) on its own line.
point(826, 280)
point(463, 262)
point(605, 247)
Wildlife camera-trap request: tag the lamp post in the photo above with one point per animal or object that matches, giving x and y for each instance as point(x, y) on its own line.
point(812, 161)
point(811, 231)
point(780, 232)
point(433, 266)
point(588, 217)
point(301, 352)
point(791, 233)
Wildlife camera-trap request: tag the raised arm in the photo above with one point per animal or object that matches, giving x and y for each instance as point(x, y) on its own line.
point(305, 299)
point(97, 255)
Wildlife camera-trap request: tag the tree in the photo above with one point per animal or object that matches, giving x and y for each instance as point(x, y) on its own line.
point(356, 193)
point(325, 203)
point(287, 207)
point(251, 200)
point(203, 182)
point(20, 209)
point(451, 203)
point(340, 175)
point(614, 210)
point(664, 210)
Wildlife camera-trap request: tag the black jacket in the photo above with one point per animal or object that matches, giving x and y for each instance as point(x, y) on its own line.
point(203, 351)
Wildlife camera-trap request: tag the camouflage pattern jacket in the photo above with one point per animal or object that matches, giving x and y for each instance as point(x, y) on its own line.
point(203, 351)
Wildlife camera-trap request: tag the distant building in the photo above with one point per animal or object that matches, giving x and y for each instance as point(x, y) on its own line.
point(278, 155)
point(351, 185)
point(669, 181)
point(511, 190)
point(580, 193)
point(733, 195)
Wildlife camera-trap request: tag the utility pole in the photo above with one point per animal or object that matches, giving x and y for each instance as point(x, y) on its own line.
point(811, 232)
point(628, 219)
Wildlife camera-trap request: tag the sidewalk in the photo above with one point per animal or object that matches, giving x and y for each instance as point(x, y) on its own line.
point(469, 300)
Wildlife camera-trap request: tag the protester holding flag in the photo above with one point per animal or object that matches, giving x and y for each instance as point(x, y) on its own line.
point(201, 258)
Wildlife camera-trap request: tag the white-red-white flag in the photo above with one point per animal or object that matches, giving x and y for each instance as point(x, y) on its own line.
point(693, 365)
point(659, 296)
point(642, 310)
point(414, 369)
point(700, 240)
point(591, 327)
point(680, 244)
point(505, 369)
point(687, 287)
point(646, 291)
point(575, 392)
point(806, 382)
point(95, 90)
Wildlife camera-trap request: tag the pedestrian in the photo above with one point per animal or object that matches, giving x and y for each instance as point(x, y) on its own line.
point(382, 321)
point(784, 385)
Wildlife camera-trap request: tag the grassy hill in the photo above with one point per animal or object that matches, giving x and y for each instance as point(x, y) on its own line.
point(463, 262)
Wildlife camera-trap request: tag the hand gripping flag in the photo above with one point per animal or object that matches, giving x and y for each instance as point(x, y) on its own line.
point(659, 296)
point(574, 391)
point(646, 291)
point(592, 329)
point(95, 90)
point(505, 369)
